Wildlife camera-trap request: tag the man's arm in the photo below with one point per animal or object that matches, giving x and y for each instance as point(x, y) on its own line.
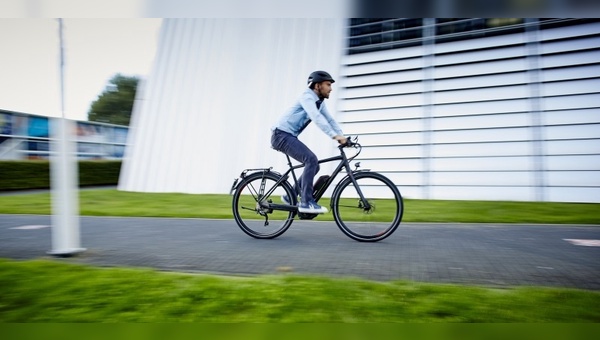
point(332, 122)
point(309, 105)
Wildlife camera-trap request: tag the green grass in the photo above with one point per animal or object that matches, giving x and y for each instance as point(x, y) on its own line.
point(52, 291)
point(119, 203)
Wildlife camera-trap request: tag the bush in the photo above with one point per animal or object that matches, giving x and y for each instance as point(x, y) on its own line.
point(93, 173)
point(22, 175)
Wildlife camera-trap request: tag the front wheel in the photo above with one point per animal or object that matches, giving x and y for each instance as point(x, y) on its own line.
point(367, 222)
point(251, 200)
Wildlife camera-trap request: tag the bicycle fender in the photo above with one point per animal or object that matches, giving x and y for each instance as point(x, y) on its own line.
point(248, 172)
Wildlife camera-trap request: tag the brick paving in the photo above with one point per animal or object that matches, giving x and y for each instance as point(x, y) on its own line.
point(498, 255)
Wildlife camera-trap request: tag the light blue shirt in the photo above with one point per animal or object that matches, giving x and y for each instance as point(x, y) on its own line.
point(305, 109)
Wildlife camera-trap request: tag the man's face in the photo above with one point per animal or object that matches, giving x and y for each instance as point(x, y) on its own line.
point(323, 89)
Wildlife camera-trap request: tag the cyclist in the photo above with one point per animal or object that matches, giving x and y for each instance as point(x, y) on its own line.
point(309, 107)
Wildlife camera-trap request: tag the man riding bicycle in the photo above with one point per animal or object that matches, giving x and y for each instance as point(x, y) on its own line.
point(309, 107)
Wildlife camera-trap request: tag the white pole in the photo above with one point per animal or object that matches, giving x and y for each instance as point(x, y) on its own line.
point(64, 182)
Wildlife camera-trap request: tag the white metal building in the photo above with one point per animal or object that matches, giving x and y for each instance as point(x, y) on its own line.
point(486, 109)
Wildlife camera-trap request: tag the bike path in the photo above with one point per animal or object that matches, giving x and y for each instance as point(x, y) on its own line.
point(501, 255)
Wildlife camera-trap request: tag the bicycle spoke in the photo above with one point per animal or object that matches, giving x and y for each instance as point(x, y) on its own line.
point(260, 220)
point(253, 191)
point(348, 206)
point(368, 224)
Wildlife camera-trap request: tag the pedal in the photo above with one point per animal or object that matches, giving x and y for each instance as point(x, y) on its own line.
point(306, 216)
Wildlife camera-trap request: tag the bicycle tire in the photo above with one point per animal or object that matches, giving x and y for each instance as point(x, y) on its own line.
point(367, 225)
point(251, 217)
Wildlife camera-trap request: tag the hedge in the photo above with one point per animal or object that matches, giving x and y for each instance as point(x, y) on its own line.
point(22, 175)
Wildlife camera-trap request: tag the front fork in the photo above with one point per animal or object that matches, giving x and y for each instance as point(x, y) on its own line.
point(366, 206)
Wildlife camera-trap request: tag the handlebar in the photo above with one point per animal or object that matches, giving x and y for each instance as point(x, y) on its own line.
point(350, 143)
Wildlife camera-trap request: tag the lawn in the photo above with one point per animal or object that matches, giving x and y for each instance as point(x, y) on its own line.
point(119, 203)
point(52, 291)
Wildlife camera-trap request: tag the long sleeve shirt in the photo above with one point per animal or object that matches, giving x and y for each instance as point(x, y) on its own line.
point(295, 119)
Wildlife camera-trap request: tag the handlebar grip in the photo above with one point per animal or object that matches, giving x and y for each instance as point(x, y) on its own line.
point(348, 143)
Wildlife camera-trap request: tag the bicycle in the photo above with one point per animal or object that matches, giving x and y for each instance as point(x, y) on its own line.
point(366, 205)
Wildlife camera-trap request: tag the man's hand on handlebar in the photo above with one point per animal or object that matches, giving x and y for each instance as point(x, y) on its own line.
point(341, 139)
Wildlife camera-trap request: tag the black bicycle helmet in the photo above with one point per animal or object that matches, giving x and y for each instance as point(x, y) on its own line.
point(319, 76)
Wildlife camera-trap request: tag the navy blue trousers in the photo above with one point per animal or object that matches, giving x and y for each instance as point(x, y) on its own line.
point(293, 147)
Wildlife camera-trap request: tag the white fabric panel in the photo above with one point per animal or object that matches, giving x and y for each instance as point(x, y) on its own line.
point(481, 135)
point(569, 31)
point(572, 147)
point(410, 191)
point(574, 178)
point(415, 51)
point(481, 94)
point(572, 131)
point(384, 78)
point(395, 151)
point(561, 88)
point(383, 66)
point(573, 194)
point(514, 163)
point(480, 122)
point(403, 179)
point(381, 114)
point(494, 193)
point(217, 87)
point(383, 90)
point(480, 55)
point(573, 162)
point(482, 149)
point(490, 107)
point(573, 72)
point(474, 44)
point(402, 138)
point(568, 59)
point(382, 102)
point(393, 165)
point(491, 67)
point(583, 116)
point(384, 126)
point(583, 101)
point(569, 45)
point(481, 81)
point(487, 178)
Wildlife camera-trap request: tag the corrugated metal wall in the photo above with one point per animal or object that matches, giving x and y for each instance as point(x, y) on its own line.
point(217, 87)
point(508, 117)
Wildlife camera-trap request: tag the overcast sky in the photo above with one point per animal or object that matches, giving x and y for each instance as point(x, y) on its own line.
point(95, 50)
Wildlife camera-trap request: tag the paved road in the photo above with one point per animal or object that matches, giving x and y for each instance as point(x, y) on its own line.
point(493, 255)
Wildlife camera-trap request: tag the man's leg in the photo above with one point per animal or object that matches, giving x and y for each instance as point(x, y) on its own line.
point(293, 147)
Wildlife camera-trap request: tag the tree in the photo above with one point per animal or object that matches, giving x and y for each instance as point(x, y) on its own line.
point(115, 104)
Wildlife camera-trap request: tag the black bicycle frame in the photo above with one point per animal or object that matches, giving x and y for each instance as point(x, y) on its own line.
point(343, 164)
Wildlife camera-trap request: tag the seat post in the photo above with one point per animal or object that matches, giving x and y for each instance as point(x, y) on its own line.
point(296, 186)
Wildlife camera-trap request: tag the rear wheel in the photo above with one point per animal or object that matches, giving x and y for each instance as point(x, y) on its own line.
point(374, 221)
point(250, 205)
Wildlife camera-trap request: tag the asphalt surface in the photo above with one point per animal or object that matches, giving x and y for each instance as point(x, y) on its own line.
point(488, 254)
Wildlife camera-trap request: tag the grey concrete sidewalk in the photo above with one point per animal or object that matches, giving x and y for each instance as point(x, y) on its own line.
point(493, 255)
